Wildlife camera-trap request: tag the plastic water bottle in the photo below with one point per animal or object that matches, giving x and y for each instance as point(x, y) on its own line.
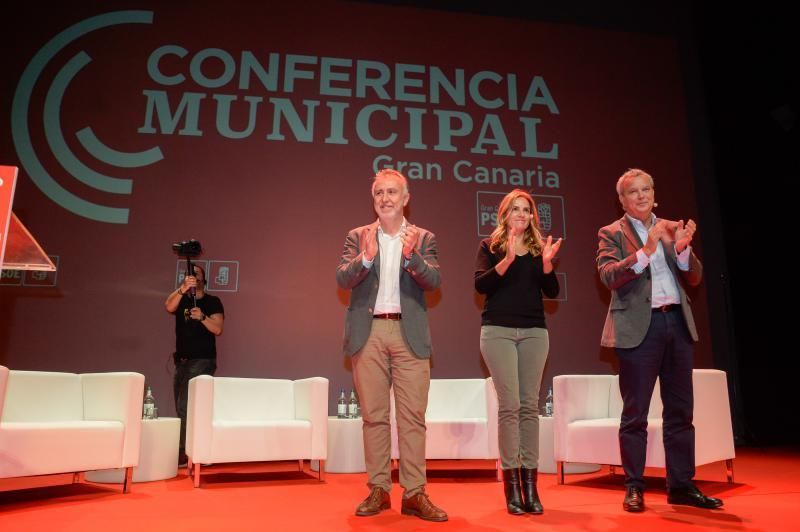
point(341, 407)
point(149, 407)
point(548, 403)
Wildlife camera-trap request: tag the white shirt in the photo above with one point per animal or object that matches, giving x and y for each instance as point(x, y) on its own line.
point(665, 286)
point(391, 252)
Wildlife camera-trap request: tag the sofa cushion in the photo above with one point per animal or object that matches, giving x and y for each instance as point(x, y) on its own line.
point(59, 447)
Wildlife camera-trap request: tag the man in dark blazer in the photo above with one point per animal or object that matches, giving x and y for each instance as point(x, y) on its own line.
point(388, 265)
point(644, 260)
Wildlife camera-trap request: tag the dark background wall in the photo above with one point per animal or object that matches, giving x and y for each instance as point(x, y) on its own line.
point(682, 92)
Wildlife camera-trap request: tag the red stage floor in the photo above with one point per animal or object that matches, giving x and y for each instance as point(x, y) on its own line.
point(765, 496)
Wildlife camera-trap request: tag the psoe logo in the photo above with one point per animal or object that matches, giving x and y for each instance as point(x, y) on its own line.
point(552, 216)
point(57, 137)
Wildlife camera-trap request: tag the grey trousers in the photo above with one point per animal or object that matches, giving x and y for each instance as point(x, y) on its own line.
point(516, 359)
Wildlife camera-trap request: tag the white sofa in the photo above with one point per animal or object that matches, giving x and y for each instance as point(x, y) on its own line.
point(461, 421)
point(69, 423)
point(251, 420)
point(587, 411)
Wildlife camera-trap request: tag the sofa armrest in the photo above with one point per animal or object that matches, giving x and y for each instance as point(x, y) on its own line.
point(311, 403)
point(199, 418)
point(712, 416)
point(491, 417)
point(577, 397)
point(3, 384)
point(116, 396)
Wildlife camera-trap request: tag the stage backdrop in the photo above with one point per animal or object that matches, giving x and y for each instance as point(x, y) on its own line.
point(256, 129)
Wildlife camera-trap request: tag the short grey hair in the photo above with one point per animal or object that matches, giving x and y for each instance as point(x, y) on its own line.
point(631, 174)
point(390, 172)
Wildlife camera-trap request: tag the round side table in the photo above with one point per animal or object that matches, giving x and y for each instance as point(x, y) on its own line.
point(345, 446)
point(158, 454)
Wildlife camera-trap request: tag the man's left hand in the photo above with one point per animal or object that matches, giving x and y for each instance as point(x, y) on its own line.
point(409, 239)
point(196, 314)
point(684, 234)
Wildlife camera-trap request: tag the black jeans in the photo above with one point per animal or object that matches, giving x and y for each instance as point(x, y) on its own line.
point(185, 370)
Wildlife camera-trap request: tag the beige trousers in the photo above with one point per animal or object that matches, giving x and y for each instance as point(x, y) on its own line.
point(383, 362)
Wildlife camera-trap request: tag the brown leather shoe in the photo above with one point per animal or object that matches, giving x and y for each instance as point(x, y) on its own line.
point(421, 506)
point(377, 501)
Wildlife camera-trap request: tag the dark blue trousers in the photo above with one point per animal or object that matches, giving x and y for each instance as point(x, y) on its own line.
point(667, 352)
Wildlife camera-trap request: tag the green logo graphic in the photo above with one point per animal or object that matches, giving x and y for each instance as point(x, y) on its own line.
point(55, 135)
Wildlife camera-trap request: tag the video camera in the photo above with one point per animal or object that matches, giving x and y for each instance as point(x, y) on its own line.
point(188, 248)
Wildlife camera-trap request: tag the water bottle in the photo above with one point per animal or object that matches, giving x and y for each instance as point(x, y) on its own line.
point(149, 407)
point(548, 403)
point(352, 406)
point(341, 407)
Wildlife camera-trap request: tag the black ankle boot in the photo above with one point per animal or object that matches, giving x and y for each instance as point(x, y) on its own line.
point(512, 491)
point(529, 493)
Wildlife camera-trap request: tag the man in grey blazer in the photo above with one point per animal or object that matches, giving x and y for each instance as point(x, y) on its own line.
point(388, 265)
point(643, 260)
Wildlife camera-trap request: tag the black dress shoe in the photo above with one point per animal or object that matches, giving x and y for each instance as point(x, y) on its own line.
point(634, 500)
point(691, 496)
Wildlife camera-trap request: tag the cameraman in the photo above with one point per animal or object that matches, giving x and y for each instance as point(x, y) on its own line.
point(196, 326)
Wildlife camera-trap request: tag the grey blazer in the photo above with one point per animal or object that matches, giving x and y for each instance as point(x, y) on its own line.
point(421, 274)
point(630, 309)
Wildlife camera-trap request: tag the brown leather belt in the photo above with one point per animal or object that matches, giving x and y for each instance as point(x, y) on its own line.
point(390, 316)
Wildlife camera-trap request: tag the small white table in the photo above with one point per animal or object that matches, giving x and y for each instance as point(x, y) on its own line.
point(547, 463)
point(345, 446)
point(158, 454)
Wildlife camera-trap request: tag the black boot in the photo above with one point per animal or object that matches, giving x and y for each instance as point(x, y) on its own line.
point(532, 503)
point(512, 491)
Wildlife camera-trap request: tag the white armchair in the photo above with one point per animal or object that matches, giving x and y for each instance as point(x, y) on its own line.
point(54, 423)
point(253, 420)
point(461, 421)
point(587, 411)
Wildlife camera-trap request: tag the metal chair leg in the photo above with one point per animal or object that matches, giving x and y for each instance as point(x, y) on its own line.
point(729, 468)
point(321, 472)
point(128, 480)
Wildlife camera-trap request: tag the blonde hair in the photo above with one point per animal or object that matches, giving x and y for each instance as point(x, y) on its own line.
point(532, 237)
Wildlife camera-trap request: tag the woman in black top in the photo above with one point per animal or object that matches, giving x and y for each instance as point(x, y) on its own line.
point(513, 269)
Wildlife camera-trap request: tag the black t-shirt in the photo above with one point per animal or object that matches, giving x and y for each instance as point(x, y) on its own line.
point(192, 339)
point(515, 298)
